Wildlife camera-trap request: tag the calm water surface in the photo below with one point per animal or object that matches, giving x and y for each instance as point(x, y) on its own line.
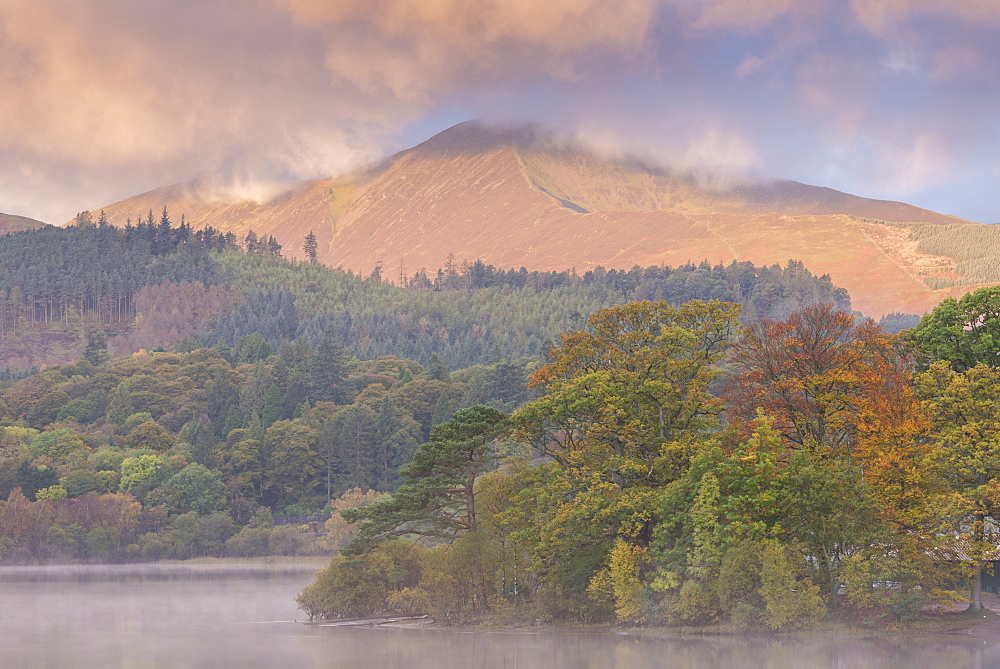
point(157, 616)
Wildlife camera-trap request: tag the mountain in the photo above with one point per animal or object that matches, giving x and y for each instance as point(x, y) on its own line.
point(518, 197)
point(12, 223)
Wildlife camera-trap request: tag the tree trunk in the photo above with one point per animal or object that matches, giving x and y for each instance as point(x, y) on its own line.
point(977, 589)
point(977, 583)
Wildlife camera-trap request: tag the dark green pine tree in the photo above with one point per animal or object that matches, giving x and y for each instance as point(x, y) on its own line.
point(326, 447)
point(220, 396)
point(507, 385)
point(296, 395)
point(442, 410)
point(437, 498)
point(437, 370)
point(273, 247)
point(311, 247)
point(356, 448)
point(397, 436)
point(250, 243)
point(96, 352)
point(272, 406)
point(163, 239)
point(329, 369)
point(386, 425)
point(234, 419)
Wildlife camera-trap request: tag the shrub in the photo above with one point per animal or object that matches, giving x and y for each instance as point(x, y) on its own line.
point(745, 616)
point(696, 605)
point(790, 599)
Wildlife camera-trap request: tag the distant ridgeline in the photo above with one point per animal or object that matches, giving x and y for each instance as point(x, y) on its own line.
point(154, 285)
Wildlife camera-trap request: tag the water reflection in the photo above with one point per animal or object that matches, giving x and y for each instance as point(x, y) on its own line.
point(156, 616)
point(436, 648)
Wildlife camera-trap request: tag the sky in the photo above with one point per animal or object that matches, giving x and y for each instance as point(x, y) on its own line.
point(104, 99)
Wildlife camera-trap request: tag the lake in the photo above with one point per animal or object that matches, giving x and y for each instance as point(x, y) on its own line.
point(244, 615)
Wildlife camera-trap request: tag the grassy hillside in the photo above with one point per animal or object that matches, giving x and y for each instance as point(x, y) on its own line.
point(973, 249)
point(12, 223)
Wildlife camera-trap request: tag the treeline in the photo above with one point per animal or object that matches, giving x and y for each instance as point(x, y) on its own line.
point(474, 313)
point(60, 285)
point(836, 470)
point(172, 455)
point(64, 274)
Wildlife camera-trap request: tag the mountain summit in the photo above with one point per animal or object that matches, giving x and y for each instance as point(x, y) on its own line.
point(517, 196)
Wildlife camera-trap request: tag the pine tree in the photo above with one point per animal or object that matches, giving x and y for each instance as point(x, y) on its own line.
point(273, 247)
point(437, 369)
point(356, 448)
point(250, 243)
point(96, 352)
point(437, 498)
point(272, 406)
point(311, 247)
point(329, 369)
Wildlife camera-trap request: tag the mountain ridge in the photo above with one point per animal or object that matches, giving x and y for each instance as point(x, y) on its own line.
point(520, 196)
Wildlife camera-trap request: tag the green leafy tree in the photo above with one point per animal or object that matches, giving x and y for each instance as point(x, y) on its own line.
point(826, 507)
point(964, 332)
point(628, 398)
point(45, 410)
point(138, 470)
point(200, 489)
point(966, 426)
point(293, 466)
point(150, 435)
point(355, 447)
point(790, 600)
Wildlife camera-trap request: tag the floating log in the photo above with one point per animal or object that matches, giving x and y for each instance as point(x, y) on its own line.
point(370, 622)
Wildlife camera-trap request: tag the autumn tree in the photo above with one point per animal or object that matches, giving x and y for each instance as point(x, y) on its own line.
point(628, 396)
point(959, 347)
point(809, 372)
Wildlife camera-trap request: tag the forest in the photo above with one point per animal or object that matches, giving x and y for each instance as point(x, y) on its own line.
point(686, 446)
point(689, 470)
point(153, 284)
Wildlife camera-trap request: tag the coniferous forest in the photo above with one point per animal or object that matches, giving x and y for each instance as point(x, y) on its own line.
point(152, 284)
point(653, 446)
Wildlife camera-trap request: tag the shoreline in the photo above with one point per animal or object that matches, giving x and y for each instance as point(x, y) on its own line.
point(958, 624)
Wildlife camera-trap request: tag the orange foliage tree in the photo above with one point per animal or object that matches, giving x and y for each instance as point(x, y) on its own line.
point(811, 373)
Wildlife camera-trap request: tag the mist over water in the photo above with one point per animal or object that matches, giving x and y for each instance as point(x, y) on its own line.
point(227, 615)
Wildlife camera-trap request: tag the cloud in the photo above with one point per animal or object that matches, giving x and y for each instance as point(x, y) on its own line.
point(885, 16)
point(414, 49)
point(105, 98)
